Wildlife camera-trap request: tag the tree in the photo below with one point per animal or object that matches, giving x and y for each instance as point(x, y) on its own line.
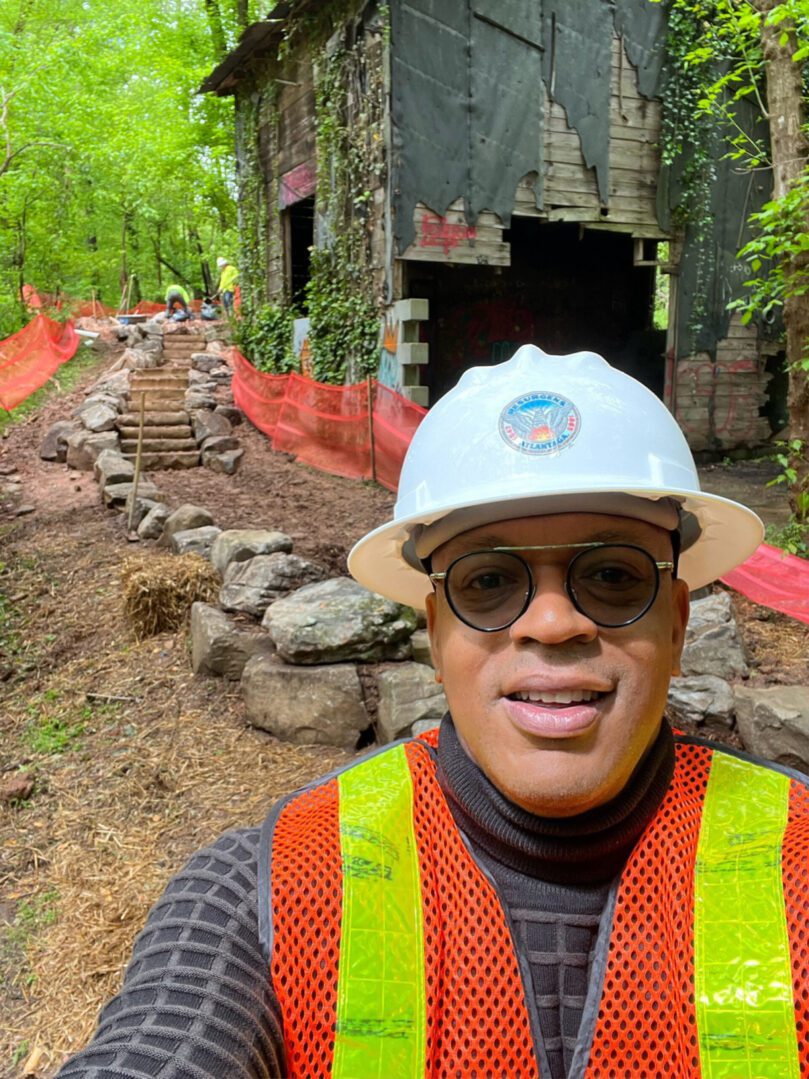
point(757, 49)
point(114, 164)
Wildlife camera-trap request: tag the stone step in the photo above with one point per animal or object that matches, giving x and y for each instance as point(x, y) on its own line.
point(168, 378)
point(156, 431)
point(181, 459)
point(158, 445)
point(159, 401)
point(176, 386)
point(172, 343)
point(154, 419)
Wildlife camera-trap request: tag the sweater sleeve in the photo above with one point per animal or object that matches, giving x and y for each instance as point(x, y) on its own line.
point(197, 1002)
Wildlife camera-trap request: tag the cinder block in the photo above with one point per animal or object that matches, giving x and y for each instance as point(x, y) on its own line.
point(419, 395)
point(413, 352)
point(411, 310)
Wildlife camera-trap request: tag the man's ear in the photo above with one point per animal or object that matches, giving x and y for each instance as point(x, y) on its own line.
point(680, 609)
point(435, 650)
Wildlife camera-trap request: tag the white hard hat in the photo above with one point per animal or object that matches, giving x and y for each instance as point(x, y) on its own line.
point(548, 434)
point(221, 262)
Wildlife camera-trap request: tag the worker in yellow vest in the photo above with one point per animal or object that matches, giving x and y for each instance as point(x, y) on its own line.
point(228, 278)
point(553, 883)
point(178, 303)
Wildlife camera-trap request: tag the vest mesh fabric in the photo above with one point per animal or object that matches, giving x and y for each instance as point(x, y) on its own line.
point(307, 908)
point(477, 1020)
point(795, 862)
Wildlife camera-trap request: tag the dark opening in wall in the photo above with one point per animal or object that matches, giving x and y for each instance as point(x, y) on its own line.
point(299, 227)
point(567, 289)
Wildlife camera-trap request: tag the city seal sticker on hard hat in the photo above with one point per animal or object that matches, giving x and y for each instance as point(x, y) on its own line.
point(540, 422)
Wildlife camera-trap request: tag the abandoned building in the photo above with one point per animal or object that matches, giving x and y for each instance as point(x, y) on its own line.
point(483, 174)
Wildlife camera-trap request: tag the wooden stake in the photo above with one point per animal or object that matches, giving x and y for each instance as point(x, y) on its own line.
point(371, 444)
point(138, 456)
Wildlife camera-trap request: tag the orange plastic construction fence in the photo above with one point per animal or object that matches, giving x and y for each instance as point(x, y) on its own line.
point(774, 579)
point(29, 357)
point(328, 427)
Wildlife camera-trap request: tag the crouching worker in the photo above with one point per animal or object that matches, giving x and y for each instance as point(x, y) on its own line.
point(554, 883)
point(177, 303)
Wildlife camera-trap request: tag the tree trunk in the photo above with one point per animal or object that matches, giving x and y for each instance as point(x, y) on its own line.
point(789, 151)
point(220, 47)
point(207, 282)
point(242, 15)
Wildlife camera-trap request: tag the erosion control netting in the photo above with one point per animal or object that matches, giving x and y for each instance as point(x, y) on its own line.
point(328, 427)
point(774, 579)
point(29, 357)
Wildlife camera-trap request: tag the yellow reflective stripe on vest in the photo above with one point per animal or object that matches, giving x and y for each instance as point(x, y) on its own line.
point(381, 1010)
point(743, 982)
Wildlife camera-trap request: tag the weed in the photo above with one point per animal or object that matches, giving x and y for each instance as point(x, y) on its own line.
point(793, 537)
point(50, 735)
point(20, 1053)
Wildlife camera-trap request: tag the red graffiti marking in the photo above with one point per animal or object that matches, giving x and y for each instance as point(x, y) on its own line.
point(736, 413)
point(436, 231)
point(297, 184)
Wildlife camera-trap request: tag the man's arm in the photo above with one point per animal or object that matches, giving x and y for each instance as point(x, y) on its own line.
point(196, 999)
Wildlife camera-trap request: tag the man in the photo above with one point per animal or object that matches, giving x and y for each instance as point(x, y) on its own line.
point(228, 276)
point(177, 303)
point(553, 885)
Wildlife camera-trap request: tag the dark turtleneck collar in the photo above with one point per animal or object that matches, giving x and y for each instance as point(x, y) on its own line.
point(586, 849)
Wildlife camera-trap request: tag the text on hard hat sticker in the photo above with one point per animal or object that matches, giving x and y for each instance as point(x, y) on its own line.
point(540, 422)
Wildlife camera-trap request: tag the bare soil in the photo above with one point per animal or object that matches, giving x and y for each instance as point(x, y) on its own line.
point(136, 762)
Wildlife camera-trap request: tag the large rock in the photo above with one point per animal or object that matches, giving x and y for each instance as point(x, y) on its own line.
point(408, 694)
point(116, 384)
point(206, 424)
point(251, 586)
point(218, 444)
point(222, 647)
point(195, 540)
point(54, 444)
point(116, 495)
point(320, 706)
point(231, 412)
point(94, 400)
point(99, 417)
point(84, 447)
point(144, 356)
point(339, 620)
point(152, 525)
point(195, 400)
point(186, 517)
point(226, 462)
point(205, 361)
point(712, 641)
point(240, 544)
point(774, 723)
point(133, 515)
point(111, 467)
point(702, 699)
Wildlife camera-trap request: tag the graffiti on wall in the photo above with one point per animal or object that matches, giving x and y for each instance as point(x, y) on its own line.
point(299, 183)
point(388, 361)
point(723, 398)
point(437, 233)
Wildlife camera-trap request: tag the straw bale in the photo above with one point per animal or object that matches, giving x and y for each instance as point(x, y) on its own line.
point(158, 591)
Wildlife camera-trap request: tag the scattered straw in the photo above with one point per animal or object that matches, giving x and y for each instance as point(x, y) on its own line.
point(159, 591)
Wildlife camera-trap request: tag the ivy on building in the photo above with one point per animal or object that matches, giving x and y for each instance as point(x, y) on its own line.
point(344, 291)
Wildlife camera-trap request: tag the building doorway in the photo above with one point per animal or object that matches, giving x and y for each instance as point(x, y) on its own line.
point(567, 289)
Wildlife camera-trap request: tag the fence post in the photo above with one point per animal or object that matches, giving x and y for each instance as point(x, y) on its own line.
point(371, 444)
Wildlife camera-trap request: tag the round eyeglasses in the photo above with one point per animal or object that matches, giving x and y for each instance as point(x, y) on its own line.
point(612, 584)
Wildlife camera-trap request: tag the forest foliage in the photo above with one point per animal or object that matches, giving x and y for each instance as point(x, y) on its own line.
point(111, 163)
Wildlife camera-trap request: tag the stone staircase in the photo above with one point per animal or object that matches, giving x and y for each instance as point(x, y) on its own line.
point(168, 439)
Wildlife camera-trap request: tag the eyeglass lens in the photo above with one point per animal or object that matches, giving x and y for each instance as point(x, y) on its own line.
point(613, 585)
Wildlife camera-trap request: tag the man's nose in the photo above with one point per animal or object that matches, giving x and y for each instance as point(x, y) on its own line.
point(551, 617)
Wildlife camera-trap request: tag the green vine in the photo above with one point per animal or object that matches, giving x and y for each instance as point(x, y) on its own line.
point(686, 139)
point(264, 335)
point(341, 296)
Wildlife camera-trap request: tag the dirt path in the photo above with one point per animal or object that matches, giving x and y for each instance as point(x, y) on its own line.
point(135, 762)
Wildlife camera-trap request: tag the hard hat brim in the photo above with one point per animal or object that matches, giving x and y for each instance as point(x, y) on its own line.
point(729, 533)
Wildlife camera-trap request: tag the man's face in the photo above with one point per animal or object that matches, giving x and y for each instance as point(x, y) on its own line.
point(554, 758)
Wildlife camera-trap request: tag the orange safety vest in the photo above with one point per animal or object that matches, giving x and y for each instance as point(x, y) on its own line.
point(701, 966)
